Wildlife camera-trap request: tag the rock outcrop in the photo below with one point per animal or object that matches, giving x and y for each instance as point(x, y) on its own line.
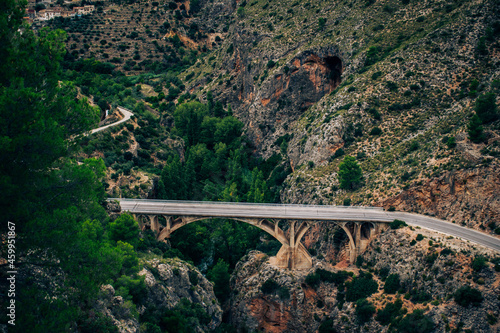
point(468, 197)
point(168, 281)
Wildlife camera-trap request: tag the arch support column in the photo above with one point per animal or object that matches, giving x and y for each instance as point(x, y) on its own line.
point(155, 225)
point(294, 255)
point(352, 242)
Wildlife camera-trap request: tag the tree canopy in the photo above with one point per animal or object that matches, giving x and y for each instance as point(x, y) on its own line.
point(350, 175)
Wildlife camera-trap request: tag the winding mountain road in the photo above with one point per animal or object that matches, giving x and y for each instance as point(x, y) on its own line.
point(302, 212)
point(126, 116)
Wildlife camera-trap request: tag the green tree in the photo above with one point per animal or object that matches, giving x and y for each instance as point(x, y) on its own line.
point(350, 175)
point(37, 116)
point(124, 229)
point(389, 313)
point(486, 108)
point(392, 284)
point(129, 258)
point(364, 310)
point(475, 129)
point(416, 322)
point(210, 103)
point(479, 263)
point(228, 130)
point(321, 23)
point(54, 201)
point(467, 295)
point(188, 118)
point(258, 188)
point(220, 276)
point(176, 179)
point(361, 286)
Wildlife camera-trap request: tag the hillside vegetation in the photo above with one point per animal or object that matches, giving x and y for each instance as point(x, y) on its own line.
point(384, 103)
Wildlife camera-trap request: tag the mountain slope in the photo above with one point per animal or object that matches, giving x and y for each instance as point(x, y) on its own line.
point(392, 83)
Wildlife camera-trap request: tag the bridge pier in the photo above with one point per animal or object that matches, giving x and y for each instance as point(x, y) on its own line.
point(360, 235)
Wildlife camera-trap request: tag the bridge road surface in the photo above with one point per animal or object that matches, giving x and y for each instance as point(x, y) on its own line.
point(302, 212)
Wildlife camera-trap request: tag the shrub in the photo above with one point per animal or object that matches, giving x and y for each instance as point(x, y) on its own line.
point(220, 276)
point(375, 113)
point(452, 142)
point(376, 131)
point(491, 319)
point(321, 23)
point(396, 224)
point(321, 275)
point(270, 64)
point(313, 280)
point(419, 296)
point(131, 288)
point(283, 293)
point(376, 75)
point(431, 258)
point(479, 263)
point(373, 55)
point(384, 272)
point(389, 313)
point(466, 295)
point(416, 322)
point(97, 323)
point(327, 327)
point(392, 86)
point(392, 284)
point(361, 287)
point(359, 261)
point(364, 310)
point(339, 152)
point(446, 251)
point(269, 287)
point(419, 237)
point(193, 277)
point(486, 108)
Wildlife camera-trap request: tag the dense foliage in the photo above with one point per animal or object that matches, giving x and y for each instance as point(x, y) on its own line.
point(350, 174)
point(53, 199)
point(467, 295)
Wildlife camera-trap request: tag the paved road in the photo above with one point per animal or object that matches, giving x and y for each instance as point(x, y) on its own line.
point(126, 116)
point(303, 212)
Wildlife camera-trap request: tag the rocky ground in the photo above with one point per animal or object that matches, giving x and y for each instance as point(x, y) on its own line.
point(428, 276)
point(167, 283)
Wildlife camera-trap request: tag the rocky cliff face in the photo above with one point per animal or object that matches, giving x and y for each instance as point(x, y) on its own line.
point(168, 281)
point(390, 83)
point(430, 271)
point(468, 197)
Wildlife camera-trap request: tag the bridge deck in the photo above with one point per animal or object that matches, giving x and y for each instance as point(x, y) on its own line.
point(301, 212)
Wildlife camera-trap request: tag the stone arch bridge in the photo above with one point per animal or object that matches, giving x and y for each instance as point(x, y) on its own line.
point(361, 224)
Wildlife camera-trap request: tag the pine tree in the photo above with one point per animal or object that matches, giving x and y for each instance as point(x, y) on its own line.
point(475, 129)
point(350, 174)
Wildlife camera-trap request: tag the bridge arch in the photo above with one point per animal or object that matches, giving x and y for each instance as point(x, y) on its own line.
point(271, 227)
point(352, 243)
point(367, 228)
point(292, 253)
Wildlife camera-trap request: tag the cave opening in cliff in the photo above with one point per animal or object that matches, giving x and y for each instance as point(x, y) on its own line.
point(334, 67)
